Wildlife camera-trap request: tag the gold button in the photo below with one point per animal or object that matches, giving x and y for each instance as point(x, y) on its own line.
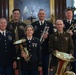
point(29, 45)
point(29, 49)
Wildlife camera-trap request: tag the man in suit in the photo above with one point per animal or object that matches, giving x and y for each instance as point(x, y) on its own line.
point(42, 30)
point(70, 27)
point(59, 41)
point(7, 50)
point(16, 27)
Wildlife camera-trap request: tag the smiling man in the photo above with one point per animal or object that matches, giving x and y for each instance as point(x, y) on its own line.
point(59, 41)
point(43, 29)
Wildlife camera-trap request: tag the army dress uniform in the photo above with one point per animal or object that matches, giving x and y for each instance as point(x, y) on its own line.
point(38, 31)
point(7, 53)
point(34, 48)
point(67, 25)
point(20, 26)
point(61, 42)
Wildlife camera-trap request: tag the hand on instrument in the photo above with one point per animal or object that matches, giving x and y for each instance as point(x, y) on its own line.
point(39, 68)
point(70, 32)
point(45, 36)
point(14, 64)
point(70, 54)
point(56, 51)
point(23, 54)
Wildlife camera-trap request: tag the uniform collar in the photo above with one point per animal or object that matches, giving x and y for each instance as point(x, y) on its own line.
point(29, 38)
point(40, 22)
point(3, 32)
point(16, 22)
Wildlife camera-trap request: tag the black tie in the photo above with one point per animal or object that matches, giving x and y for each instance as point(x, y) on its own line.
point(41, 23)
point(3, 33)
point(69, 22)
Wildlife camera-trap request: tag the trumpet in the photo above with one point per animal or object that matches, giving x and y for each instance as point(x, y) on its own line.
point(46, 29)
point(70, 28)
point(24, 50)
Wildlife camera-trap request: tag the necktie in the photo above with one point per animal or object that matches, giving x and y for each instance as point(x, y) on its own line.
point(69, 22)
point(3, 33)
point(41, 23)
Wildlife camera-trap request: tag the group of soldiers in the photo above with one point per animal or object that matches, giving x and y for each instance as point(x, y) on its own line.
point(40, 42)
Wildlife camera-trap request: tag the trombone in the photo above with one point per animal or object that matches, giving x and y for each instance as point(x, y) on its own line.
point(70, 28)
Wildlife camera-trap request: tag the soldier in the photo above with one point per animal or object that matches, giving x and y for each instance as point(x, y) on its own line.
point(16, 23)
point(17, 28)
point(59, 41)
point(42, 30)
point(70, 26)
point(7, 50)
point(32, 65)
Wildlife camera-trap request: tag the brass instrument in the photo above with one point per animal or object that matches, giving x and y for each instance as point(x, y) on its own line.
point(63, 62)
point(23, 49)
point(46, 29)
point(70, 28)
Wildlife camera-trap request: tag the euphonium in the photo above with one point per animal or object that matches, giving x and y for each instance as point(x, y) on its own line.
point(63, 62)
point(23, 49)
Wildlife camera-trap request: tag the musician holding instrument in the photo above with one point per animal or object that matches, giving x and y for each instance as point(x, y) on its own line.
point(7, 50)
point(16, 27)
point(42, 30)
point(70, 27)
point(59, 41)
point(33, 64)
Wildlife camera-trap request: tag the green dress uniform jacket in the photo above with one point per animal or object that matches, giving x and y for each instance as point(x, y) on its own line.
point(61, 42)
point(20, 26)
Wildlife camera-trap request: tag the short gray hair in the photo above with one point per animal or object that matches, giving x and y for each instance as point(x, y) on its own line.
point(28, 27)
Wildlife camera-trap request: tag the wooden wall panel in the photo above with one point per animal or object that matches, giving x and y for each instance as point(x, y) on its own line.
point(4, 8)
point(60, 6)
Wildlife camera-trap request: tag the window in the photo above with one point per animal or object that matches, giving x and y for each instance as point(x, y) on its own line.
point(74, 5)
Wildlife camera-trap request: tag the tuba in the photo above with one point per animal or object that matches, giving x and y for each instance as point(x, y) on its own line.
point(46, 29)
point(23, 49)
point(63, 62)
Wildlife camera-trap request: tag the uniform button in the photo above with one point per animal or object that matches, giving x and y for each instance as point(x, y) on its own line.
point(5, 50)
point(5, 47)
point(5, 43)
point(29, 49)
point(5, 40)
point(29, 45)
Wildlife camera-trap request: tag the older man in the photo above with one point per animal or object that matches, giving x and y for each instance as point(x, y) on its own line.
point(59, 41)
point(7, 50)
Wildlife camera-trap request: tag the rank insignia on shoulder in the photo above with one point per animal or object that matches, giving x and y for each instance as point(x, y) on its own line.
point(21, 27)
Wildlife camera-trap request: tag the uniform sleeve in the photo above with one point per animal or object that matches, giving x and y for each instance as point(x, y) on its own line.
point(71, 46)
point(50, 44)
point(39, 54)
point(51, 31)
point(13, 51)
